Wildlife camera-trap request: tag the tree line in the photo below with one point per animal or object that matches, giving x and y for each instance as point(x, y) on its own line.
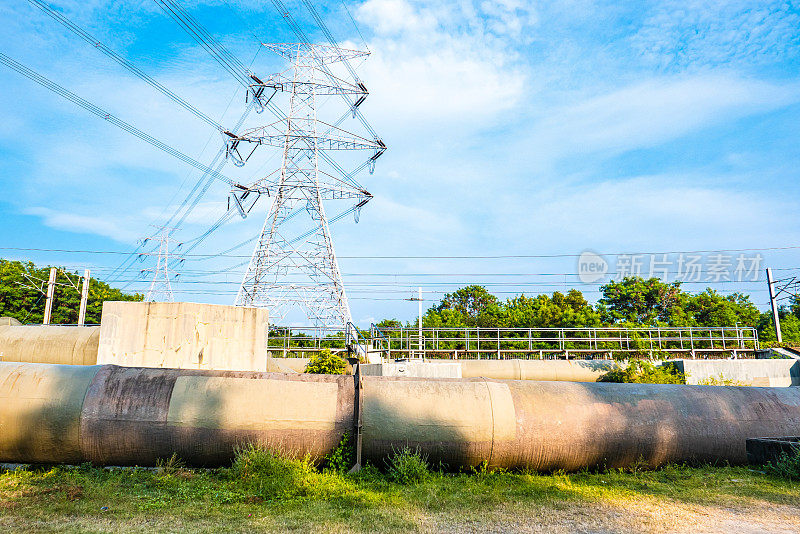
point(630, 302)
point(21, 299)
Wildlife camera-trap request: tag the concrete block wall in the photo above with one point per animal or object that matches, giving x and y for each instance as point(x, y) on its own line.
point(183, 335)
point(762, 373)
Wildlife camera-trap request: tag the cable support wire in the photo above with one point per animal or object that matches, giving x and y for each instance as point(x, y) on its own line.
point(80, 32)
point(225, 252)
point(329, 36)
point(206, 180)
point(550, 276)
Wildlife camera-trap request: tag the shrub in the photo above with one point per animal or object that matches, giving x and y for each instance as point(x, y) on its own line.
point(325, 363)
point(343, 457)
point(269, 475)
point(644, 372)
point(786, 466)
point(407, 466)
point(719, 381)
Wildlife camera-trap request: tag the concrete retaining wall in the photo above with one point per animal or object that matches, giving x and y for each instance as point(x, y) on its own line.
point(287, 365)
point(183, 335)
point(765, 373)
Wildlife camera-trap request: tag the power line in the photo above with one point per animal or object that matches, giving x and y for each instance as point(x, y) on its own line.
point(88, 106)
point(506, 256)
point(219, 53)
point(83, 34)
point(355, 26)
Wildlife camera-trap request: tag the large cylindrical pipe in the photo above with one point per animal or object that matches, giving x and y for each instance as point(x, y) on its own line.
point(134, 416)
point(40, 411)
point(559, 370)
point(67, 345)
point(569, 425)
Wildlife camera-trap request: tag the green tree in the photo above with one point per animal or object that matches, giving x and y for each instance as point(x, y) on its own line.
point(20, 299)
point(709, 308)
point(559, 311)
point(790, 327)
point(644, 372)
point(389, 323)
point(643, 302)
point(468, 306)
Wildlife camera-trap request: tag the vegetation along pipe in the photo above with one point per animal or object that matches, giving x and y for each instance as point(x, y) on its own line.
point(134, 416)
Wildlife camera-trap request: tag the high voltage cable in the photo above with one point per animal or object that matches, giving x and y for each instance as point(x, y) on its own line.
point(88, 106)
point(508, 256)
point(221, 55)
point(80, 32)
point(355, 26)
point(464, 283)
point(158, 86)
point(204, 179)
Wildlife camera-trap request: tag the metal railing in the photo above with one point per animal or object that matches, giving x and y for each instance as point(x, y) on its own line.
point(288, 341)
point(479, 342)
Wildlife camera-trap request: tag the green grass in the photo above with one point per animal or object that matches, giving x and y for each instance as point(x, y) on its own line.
point(273, 494)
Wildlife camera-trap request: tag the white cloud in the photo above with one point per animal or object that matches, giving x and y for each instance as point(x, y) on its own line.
point(115, 228)
point(395, 17)
point(678, 33)
point(653, 112)
point(432, 68)
point(412, 218)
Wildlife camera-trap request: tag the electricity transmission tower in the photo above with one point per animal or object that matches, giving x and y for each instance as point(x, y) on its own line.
point(301, 272)
point(160, 286)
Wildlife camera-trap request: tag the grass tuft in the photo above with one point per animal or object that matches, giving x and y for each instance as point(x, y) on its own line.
point(407, 466)
point(269, 475)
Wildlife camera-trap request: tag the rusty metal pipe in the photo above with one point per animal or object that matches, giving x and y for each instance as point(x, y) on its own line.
point(134, 416)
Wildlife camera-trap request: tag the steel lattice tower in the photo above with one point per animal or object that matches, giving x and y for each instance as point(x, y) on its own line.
point(289, 271)
point(160, 286)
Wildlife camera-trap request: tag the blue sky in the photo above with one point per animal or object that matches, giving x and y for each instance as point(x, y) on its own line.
point(515, 129)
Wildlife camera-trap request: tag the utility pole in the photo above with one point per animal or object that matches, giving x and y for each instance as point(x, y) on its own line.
point(84, 298)
point(48, 305)
point(418, 298)
point(774, 304)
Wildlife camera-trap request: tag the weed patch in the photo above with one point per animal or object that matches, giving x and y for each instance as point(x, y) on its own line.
point(407, 466)
point(786, 466)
